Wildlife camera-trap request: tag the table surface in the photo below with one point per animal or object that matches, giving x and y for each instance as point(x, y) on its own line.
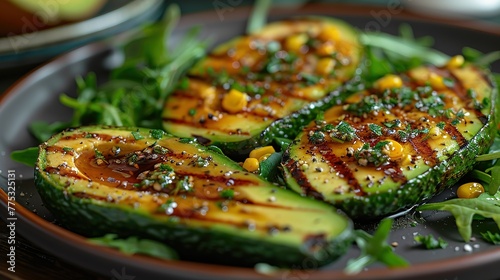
point(35, 263)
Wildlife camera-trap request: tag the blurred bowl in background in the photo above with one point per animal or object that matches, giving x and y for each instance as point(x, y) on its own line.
point(94, 20)
point(25, 16)
point(455, 8)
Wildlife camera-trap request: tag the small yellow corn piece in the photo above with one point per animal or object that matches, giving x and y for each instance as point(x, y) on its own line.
point(435, 133)
point(393, 149)
point(436, 81)
point(251, 164)
point(388, 82)
point(455, 62)
point(295, 42)
point(325, 66)
point(264, 157)
point(262, 151)
point(470, 190)
point(329, 33)
point(234, 101)
point(327, 48)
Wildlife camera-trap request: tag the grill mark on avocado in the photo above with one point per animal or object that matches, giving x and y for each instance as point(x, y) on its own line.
point(422, 148)
point(301, 179)
point(341, 168)
point(456, 135)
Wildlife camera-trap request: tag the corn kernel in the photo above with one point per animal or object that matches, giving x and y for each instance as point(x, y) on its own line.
point(436, 81)
point(393, 149)
point(259, 152)
point(470, 190)
point(325, 66)
point(455, 62)
point(435, 133)
point(234, 101)
point(327, 48)
point(295, 42)
point(251, 164)
point(264, 157)
point(388, 82)
point(329, 33)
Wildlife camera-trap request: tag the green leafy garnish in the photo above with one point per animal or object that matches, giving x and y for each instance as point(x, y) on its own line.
point(269, 167)
point(464, 210)
point(227, 193)
point(430, 242)
point(27, 156)
point(493, 238)
point(375, 249)
point(134, 245)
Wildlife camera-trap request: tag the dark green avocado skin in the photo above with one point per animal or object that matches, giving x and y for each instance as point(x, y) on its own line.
point(194, 244)
point(92, 217)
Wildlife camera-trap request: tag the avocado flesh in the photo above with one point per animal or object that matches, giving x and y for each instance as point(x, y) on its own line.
point(99, 180)
point(333, 170)
point(246, 63)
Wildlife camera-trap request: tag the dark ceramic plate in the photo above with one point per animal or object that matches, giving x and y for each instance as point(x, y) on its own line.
point(35, 97)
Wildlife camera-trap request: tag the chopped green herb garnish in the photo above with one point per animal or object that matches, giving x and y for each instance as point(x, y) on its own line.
point(98, 154)
point(430, 242)
point(310, 79)
point(375, 128)
point(449, 82)
point(316, 137)
point(137, 135)
point(156, 133)
point(371, 155)
point(227, 193)
point(342, 132)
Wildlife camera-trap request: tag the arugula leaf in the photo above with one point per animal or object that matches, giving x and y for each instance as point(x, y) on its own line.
point(27, 156)
point(42, 131)
point(134, 245)
point(430, 242)
point(269, 167)
point(375, 249)
point(464, 210)
point(408, 51)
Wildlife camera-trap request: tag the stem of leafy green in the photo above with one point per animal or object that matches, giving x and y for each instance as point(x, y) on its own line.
point(258, 17)
point(490, 156)
point(375, 249)
point(404, 47)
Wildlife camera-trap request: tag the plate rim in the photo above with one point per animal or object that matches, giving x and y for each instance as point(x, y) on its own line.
point(430, 269)
point(79, 29)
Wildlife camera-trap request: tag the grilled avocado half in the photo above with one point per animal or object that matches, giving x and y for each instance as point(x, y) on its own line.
point(146, 183)
point(270, 84)
point(397, 144)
